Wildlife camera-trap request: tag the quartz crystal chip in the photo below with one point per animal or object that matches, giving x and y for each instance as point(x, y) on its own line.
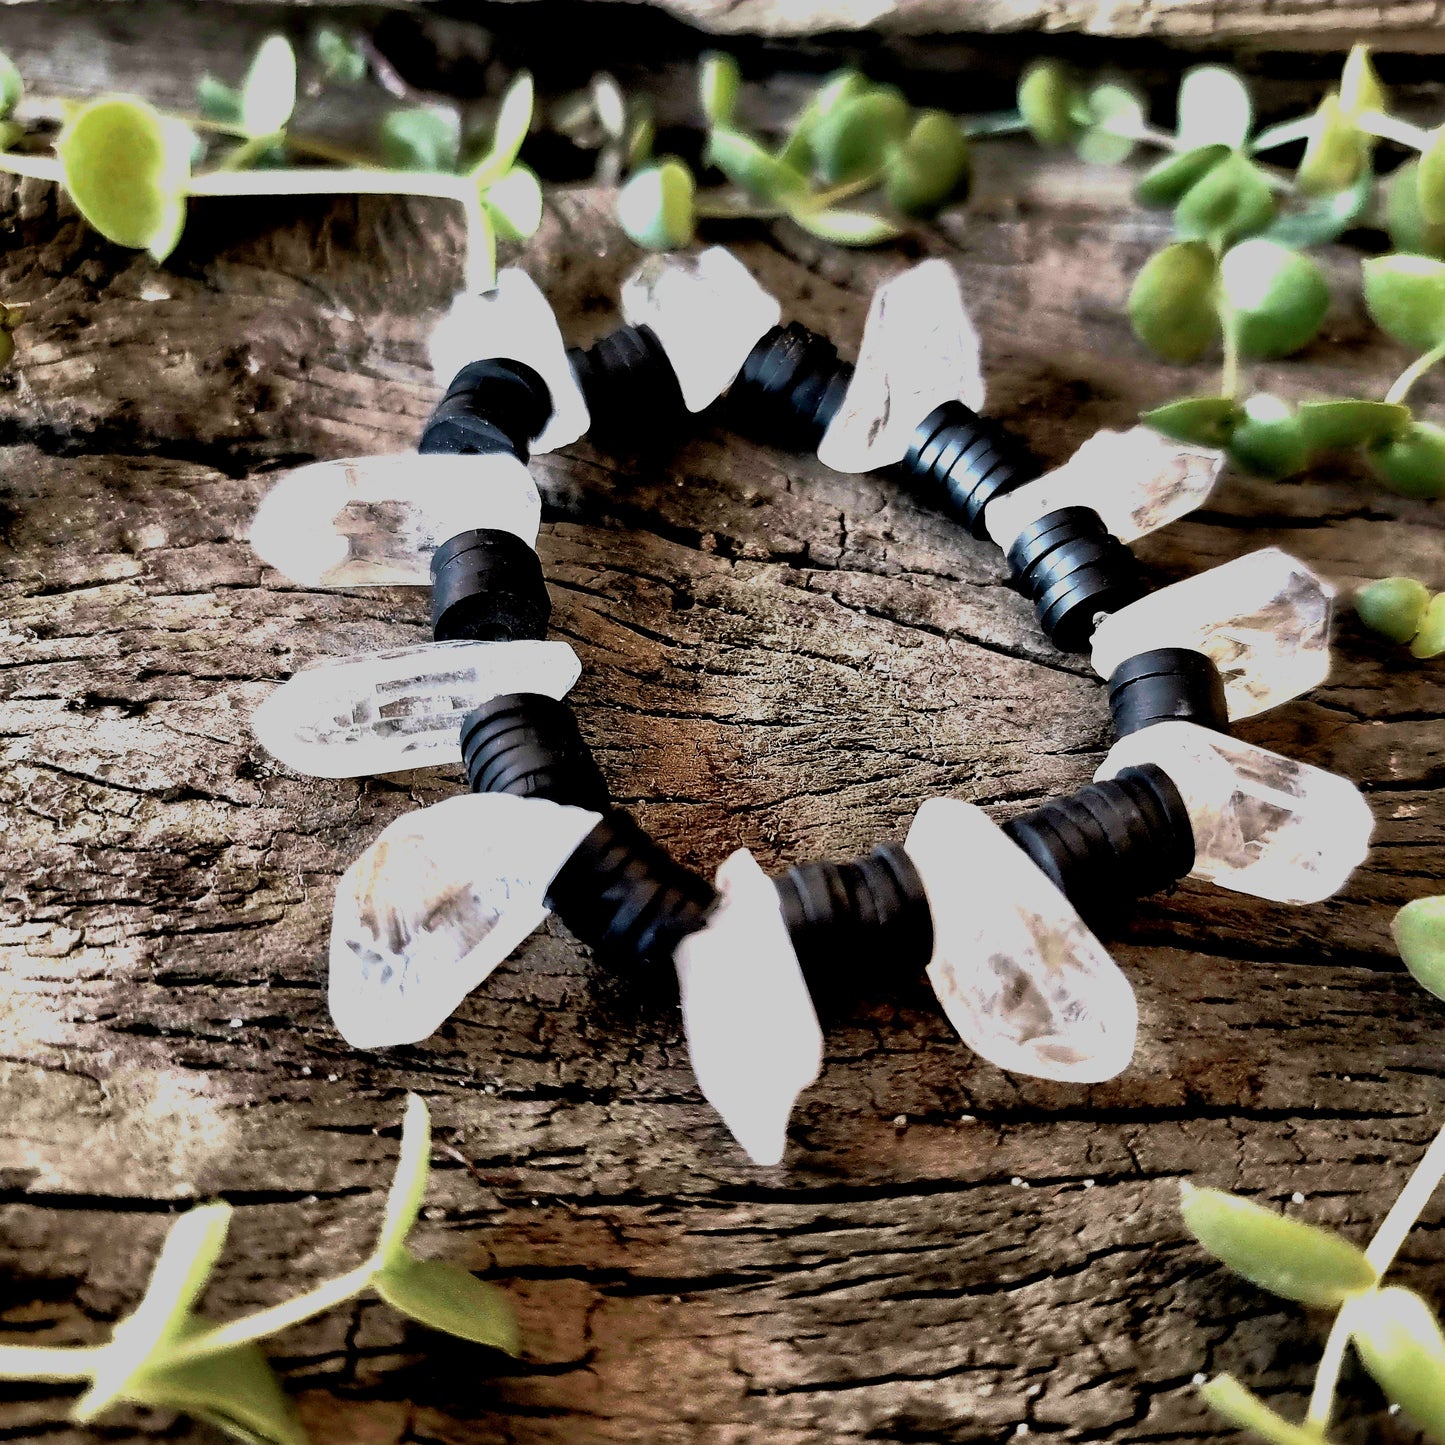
point(436, 903)
point(1020, 976)
point(751, 1028)
point(1136, 480)
point(920, 349)
point(382, 712)
point(1263, 619)
point(513, 322)
point(706, 311)
point(1263, 824)
point(375, 521)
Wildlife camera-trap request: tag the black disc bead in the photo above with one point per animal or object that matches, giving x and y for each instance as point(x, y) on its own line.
point(1110, 842)
point(789, 388)
point(1074, 568)
point(1168, 684)
point(631, 390)
point(528, 744)
point(624, 895)
point(491, 406)
point(963, 461)
point(487, 586)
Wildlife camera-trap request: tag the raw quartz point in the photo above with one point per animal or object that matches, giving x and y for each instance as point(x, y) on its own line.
point(1136, 480)
point(375, 521)
point(1263, 619)
point(751, 1028)
point(1020, 976)
point(436, 903)
point(920, 349)
point(382, 712)
point(1263, 824)
point(707, 313)
point(513, 322)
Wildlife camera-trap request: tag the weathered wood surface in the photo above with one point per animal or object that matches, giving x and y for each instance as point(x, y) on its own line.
point(775, 657)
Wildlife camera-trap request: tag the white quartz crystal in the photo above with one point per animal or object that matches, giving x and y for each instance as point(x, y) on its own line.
point(1263, 824)
point(1136, 480)
point(751, 1028)
point(375, 521)
point(1018, 973)
point(514, 322)
point(707, 313)
point(1264, 620)
point(920, 349)
point(436, 903)
point(382, 712)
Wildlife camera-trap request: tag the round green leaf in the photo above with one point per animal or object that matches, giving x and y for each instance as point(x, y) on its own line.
point(655, 207)
point(1412, 463)
point(1430, 639)
point(1165, 183)
point(931, 167)
point(218, 101)
point(1279, 296)
point(1335, 153)
point(448, 1298)
point(853, 139)
point(1419, 929)
point(1048, 96)
point(1326, 218)
point(12, 87)
point(516, 203)
point(1289, 1258)
point(1214, 106)
point(1430, 179)
point(1171, 304)
point(745, 163)
point(268, 93)
point(1115, 115)
point(1360, 88)
point(1406, 296)
point(1405, 219)
point(421, 137)
point(1268, 439)
point(342, 57)
point(1231, 200)
point(842, 85)
point(1202, 421)
point(514, 120)
point(718, 82)
point(126, 168)
point(848, 228)
point(1399, 1340)
point(1341, 425)
point(1393, 607)
point(1246, 1411)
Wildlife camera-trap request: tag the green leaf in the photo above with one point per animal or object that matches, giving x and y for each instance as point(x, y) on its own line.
point(1393, 607)
point(421, 138)
point(1326, 218)
point(745, 163)
point(448, 1298)
point(853, 139)
point(1336, 152)
point(931, 167)
point(1279, 297)
point(1232, 200)
point(655, 207)
point(1171, 304)
point(1430, 179)
point(408, 1184)
point(1360, 88)
point(1204, 421)
point(1399, 1340)
point(841, 86)
point(1049, 94)
point(342, 57)
point(1246, 1411)
point(126, 168)
point(641, 133)
point(218, 101)
point(515, 202)
point(718, 82)
point(1406, 296)
point(1405, 218)
point(1115, 114)
point(1419, 927)
point(1165, 183)
point(268, 93)
point(1214, 107)
point(1341, 425)
point(846, 227)
point(1285, 1256)
point(514, 119)
point(12, 87)
point(1268, 439)
point(1430, 639)
point(1412, 463)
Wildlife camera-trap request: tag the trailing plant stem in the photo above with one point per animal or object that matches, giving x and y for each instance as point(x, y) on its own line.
point(49, 1362)
point(1327, 1376)
point(1391, 127)
point(1407, 379)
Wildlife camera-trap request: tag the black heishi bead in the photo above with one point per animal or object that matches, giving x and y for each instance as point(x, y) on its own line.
point(528, 744)
point(1110, 842)
point(849, 920)
point(623, 894)
point(630, 389)
point(1168, 684)
point(961, 461)
point(1074, 568)
point(789, 388)
point(491, 406)
point(487, 586)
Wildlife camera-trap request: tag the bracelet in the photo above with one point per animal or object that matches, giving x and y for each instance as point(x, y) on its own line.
point(1002, 919)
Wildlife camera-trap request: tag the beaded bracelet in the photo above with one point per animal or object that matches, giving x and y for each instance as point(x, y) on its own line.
point(1001, 919)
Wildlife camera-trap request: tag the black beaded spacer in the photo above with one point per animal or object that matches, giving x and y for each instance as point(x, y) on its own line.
point(622, 893)
point(1110, 842)
point(1074, 568)
point(789, 388)
point(630, 389)
point(487, 586)
point(1169, 684)
point(844, 917)
point(969, 460)
point(491, 406)
point(528, 744)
